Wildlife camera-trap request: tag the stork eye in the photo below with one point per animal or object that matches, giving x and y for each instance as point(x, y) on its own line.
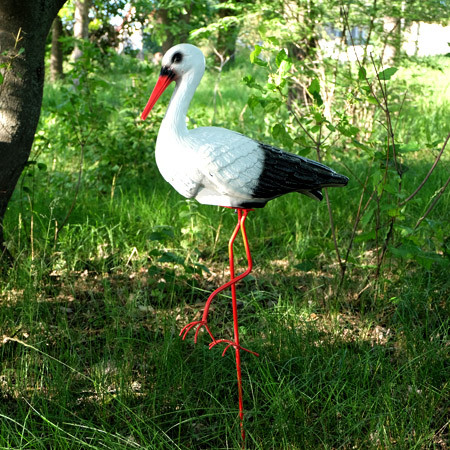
point(177, 57)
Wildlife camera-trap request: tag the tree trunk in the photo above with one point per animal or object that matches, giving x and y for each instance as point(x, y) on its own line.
point(56, 59)
point(397, 40)
point(81, 25)
point(226, 39)
point(24, 27)
point(303, 47)
point(163, 17)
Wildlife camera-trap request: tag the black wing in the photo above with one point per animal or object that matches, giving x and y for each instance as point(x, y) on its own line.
point(285, 172)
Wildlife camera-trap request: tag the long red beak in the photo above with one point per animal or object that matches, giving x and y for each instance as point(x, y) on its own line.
point(161, 85)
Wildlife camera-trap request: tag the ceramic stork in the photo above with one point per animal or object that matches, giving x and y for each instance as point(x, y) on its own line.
point(221, 167)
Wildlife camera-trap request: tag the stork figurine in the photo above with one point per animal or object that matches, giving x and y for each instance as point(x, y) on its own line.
point(221, 167)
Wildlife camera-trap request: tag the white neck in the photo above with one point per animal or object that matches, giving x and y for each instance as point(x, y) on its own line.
point(175, 118)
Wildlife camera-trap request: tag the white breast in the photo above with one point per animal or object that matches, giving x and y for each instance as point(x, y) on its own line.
point(176, 163)
point(214, 165)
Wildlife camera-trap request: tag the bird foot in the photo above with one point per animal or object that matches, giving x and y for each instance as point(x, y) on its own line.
point(199, 324)
point(230, 344)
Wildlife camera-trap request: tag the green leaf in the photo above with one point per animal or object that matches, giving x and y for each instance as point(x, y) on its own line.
point(367, 218)
point(362, 74)
point(254, 101)
point(171, 258)
point(1, 78)
point(392, 188)
point(314, 87)
point(362, 146)
point(154, 252)
point(305, 266)
point(271, 105)
point(262, 29)
point(254, 56)
point(285, 66)
point(386, 74)
point(394, 212)
point(251, 83)
point(366, 237)
point(404, 251)
point(409, 147)
point(161, 233)
point(348, 130)
point(273, 40)
point(154, 270)
point(318, 117)
point(202, 267)
point(157, 236)
point(281, 56)
point(280, 134)
point(427, 259)
point(314, 90)
point(281, 76)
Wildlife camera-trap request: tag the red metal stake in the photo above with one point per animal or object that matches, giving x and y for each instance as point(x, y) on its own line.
point(242, 215)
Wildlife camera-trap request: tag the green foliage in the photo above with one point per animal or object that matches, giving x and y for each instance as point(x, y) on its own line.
point(386, 74)
point(383, 212)
point(101, 125)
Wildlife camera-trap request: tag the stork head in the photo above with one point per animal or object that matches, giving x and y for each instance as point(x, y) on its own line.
point(181, 61)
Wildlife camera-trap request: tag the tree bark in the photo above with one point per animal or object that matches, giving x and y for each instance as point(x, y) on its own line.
point(226, 39)
point(162, 17)
point(165, 17)
point(24, 27)
point(81, 25)
point(56, 59)
point(304, 45)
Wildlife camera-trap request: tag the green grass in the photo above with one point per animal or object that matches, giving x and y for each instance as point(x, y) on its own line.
point(103, 369)
point(90, 353)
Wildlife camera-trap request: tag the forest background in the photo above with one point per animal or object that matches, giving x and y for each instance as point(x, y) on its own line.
point(103, 262)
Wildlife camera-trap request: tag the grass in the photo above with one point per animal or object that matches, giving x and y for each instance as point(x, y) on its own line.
point(104, 370)
point(90, 354)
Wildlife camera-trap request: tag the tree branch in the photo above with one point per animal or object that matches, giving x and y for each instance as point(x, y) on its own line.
point(438, 196)
point(428, 174)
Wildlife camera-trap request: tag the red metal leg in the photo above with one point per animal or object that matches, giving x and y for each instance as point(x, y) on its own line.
point(204, 322)
point(242, 215)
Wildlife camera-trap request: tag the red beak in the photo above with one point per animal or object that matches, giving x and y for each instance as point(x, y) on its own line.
point(161, 85)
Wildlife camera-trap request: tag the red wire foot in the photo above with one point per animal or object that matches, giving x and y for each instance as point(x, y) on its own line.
point(230, 344)
point(199, 324)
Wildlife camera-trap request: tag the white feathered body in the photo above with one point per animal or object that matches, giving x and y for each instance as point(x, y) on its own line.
point(213, 165)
